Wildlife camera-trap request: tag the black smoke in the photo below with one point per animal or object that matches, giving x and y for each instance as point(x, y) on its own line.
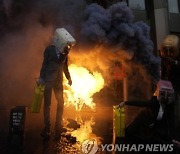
point(115, 26)
point(17, 14)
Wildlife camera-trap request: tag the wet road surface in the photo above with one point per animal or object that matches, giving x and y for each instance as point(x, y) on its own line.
point(81, 126)
point(93, 125)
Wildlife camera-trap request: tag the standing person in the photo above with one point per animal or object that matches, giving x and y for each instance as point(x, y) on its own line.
point(54, 64)
point(170, 61)
point(170, 70)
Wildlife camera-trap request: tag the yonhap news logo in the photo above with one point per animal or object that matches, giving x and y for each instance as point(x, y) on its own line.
point(90, 146)
point(137, 147)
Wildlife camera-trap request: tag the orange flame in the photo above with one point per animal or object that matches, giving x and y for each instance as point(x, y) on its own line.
point(84, 86)
point(85, 131)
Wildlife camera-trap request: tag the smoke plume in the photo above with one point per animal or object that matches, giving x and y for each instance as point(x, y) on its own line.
point(114, 26)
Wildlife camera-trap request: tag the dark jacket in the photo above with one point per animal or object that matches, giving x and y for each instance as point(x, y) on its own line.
point(171, 72)
point(52, 66)
point(153, 107)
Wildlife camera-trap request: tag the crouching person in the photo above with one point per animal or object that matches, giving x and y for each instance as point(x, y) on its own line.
point(156, 121)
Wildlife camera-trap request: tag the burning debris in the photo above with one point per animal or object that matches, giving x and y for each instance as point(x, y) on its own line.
point(78, 131)
point(84, 132)
point(72, 124)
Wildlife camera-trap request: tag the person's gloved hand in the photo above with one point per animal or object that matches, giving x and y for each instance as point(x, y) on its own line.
point(66, 50)
point(121, 105)
point(40, 81)
point(70, 82)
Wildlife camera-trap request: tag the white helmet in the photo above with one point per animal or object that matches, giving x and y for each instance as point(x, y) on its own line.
point(63, 40)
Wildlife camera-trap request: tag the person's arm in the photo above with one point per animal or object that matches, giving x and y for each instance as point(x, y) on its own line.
point(173, 61)
point(66, 71)
point(44, 64)
point(135, 103)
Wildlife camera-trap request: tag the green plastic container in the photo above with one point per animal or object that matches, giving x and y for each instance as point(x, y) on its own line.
point(38, 97)
point(118, 121)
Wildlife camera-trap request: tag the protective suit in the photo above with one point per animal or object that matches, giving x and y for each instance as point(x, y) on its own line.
point(54, 64)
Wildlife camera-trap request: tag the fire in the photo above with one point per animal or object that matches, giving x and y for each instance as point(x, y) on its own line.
point(85, 131)
point(84, 85)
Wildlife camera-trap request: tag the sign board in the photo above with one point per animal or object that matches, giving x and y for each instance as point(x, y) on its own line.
point(17, 118)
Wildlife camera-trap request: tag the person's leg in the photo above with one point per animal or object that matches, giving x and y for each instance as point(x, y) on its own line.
point(47, 103)
point(58, 91)
point(177, 116)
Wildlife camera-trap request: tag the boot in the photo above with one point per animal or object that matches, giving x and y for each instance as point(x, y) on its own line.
point(45, 134)
point(58, 132)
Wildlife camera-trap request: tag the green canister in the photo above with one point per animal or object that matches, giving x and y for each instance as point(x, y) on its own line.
point(38, 97)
